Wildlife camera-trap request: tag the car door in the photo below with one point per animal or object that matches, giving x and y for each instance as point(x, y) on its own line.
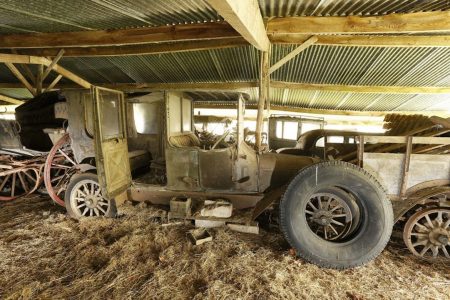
point(111, 147)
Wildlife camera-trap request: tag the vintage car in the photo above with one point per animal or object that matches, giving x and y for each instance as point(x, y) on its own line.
point(333, 213)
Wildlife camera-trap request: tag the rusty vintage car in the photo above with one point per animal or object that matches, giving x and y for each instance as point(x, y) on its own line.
point(334, 214)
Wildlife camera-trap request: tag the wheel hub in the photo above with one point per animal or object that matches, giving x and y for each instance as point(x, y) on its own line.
point(330, 214)
point(439, 237)
point(322, 217)
point(91, 201)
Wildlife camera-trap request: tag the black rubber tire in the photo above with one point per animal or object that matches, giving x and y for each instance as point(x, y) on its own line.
point(110, 213)
point(376, 219)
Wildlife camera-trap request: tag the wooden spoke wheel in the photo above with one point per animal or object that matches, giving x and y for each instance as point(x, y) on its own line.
point(427, 233)
point(18, 182)
point(59, 167)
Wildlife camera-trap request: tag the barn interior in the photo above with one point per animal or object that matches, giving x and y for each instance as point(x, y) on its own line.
point(197, 86)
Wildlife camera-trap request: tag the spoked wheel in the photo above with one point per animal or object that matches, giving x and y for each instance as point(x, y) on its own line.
point(84, 198)
point(427, 233)
point(346, 197)
point(332, 214)
point(19, 182)
point(60, 165)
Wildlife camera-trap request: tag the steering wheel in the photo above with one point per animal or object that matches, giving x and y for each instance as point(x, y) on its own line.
point(222, 137)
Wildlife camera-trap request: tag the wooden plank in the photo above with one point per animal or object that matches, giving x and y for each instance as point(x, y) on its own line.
point(207, 86)
point(19, 59)
point(10, 100)
point(129, 36)
point(142, 49)
point(54, 62)
point(362, 88)
point(245, 17)
point(365, 40)
point(292, 54)
point(317, 111)
point(274, 84)
point(21, 78)
point(428, 140)
point(421, 22)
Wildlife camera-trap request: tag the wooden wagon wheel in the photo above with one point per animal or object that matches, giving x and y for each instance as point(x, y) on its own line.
point(18, 182)
point(59, 167)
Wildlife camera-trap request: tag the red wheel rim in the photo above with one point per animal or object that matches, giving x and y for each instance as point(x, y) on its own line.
point(60, 165)
point(19, 182)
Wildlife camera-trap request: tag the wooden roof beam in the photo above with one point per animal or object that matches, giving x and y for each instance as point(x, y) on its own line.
point(231, 105)
point(119, 37)
point(223, 86)
point(21, 78)
point(361, 88)
point(155, 48)
point(10, 100)
point(10, 59)
point(421, 22)
point(245, 17)
point(365, 40)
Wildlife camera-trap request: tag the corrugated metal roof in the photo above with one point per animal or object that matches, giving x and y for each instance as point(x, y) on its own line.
point(364, 65)
point(72, 15)
point(220, 65)
point(317, 64)
point(283, 8)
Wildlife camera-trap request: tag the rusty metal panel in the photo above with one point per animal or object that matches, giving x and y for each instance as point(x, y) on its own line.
point(182, 169)
point(216, 169)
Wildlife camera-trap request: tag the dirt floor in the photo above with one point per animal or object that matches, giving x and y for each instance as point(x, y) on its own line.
point(44, 254)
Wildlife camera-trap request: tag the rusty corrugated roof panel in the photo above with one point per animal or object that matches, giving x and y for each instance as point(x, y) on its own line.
point(283, 8)
point(76, 15)
point(364, 65)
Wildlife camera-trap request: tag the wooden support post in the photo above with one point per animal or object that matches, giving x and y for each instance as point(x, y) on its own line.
point(19, 76)
point(361, 151)
point(263, 74)
point(39, 79)
point(52, 64)
point(406, 163)
point(293, 54)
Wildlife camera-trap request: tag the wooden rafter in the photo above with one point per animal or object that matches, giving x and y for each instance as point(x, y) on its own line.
point(361, 88)
point(321, 111)
point(21, 78)
point(54, 62)
point(421, 22)
point(293, 54)
point(184, 46)
point(120, 36)
point(9, 59)
point(245, 17)
point(211, 86)
point(54, 82)
point(10, 100)
point(365, 40)
point(155, 48)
